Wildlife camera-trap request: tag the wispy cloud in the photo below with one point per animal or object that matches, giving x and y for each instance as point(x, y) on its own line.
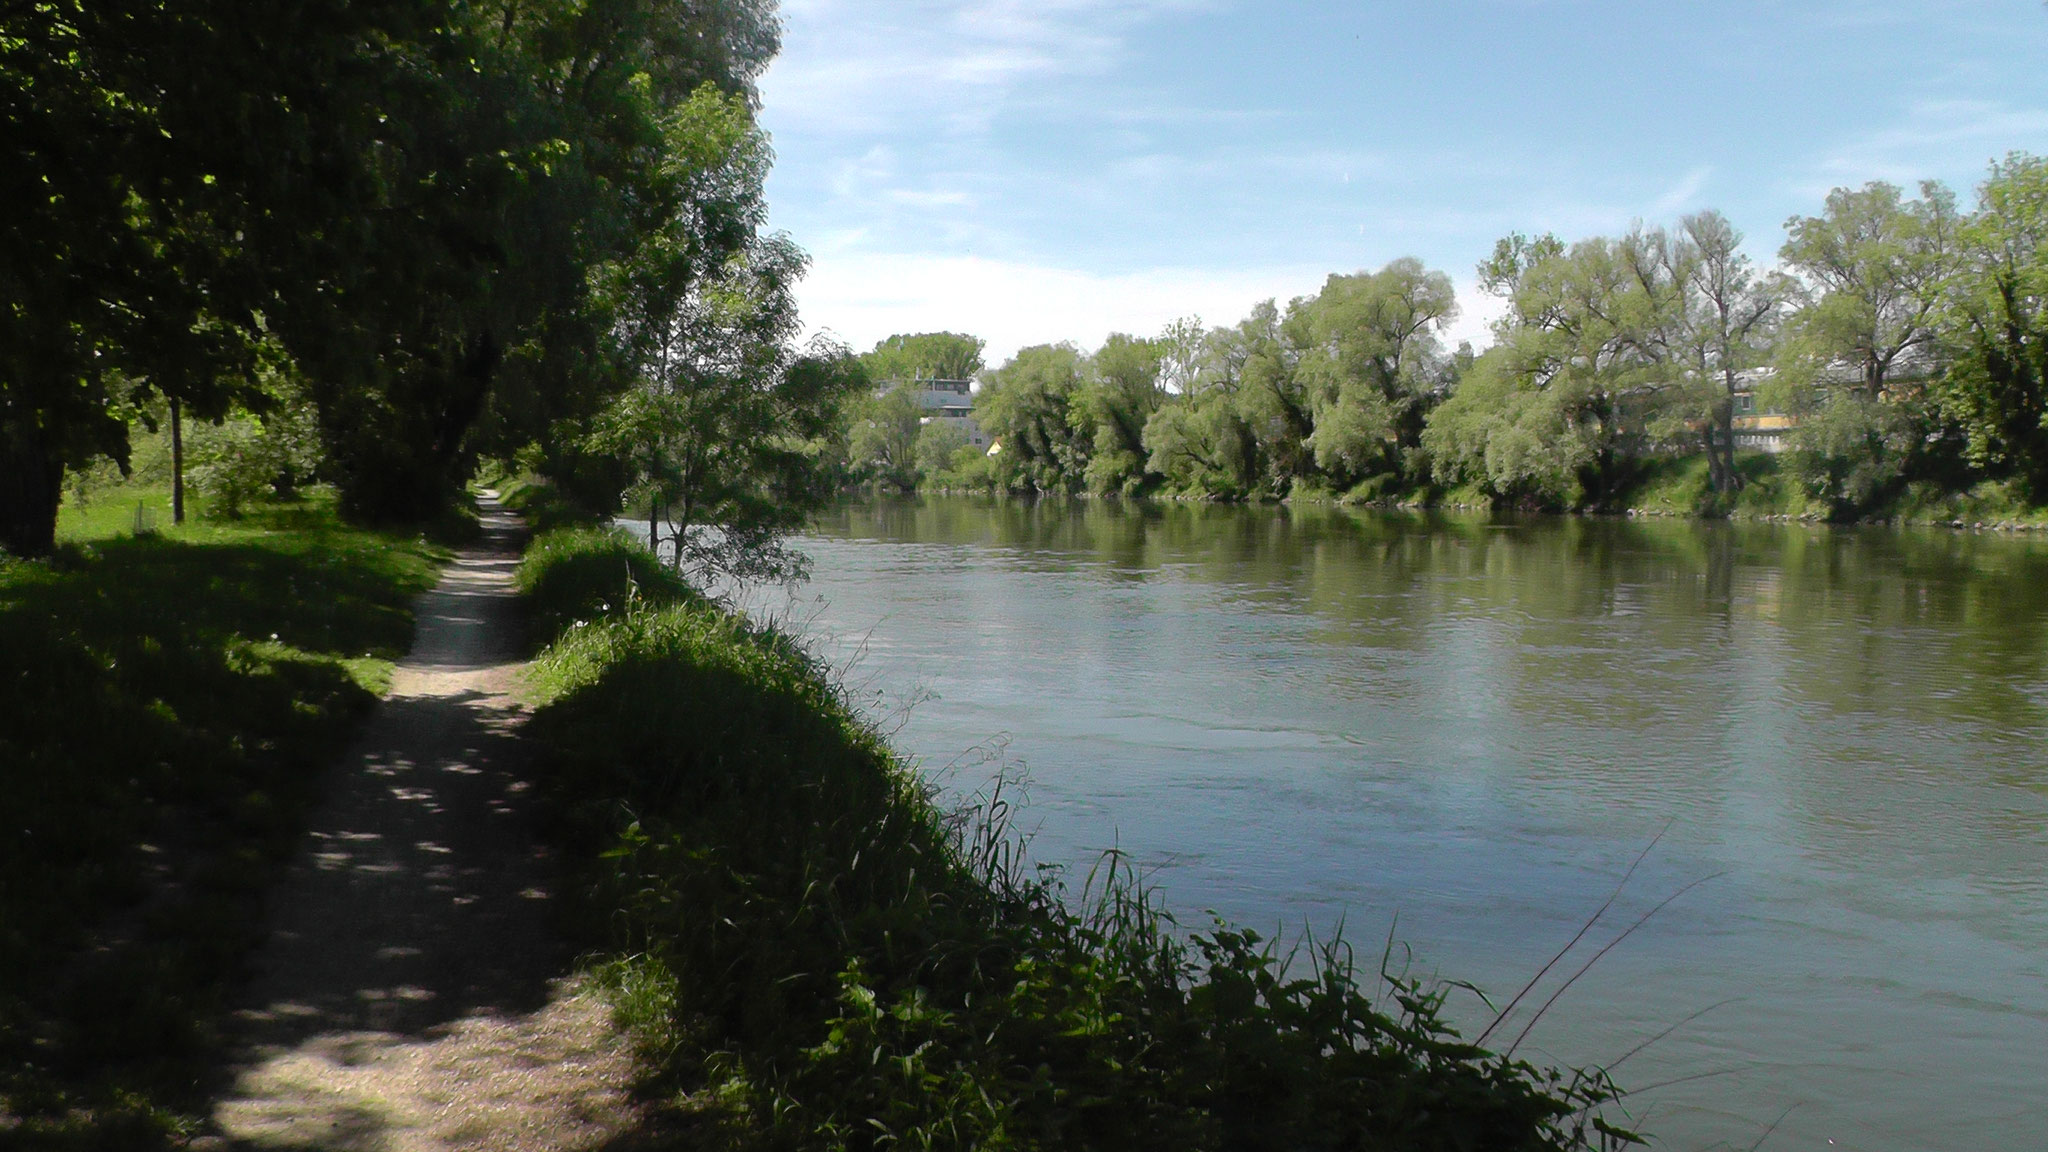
point(1931, 138)
point(1682, 195)
point(848, 67)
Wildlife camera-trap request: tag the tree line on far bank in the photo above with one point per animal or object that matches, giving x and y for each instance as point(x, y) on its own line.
point(1905, 337)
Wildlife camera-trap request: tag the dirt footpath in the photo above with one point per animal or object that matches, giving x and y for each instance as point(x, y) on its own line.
point(410, 994)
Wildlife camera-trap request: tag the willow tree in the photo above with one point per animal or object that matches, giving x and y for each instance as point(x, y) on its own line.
point(1559, 409)
point(1374, 363)
point(1728, 325)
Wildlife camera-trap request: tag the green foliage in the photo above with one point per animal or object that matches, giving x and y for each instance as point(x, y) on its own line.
point(1687, 486)
point(1118, 393)
point(169, 702)
point(248, 457)
point(942, 448)
point(1873, 266)
point(1027, 406)
point(924, 356)
point(569, 576)
point(787, 905)
point(1852, 453)
point(544, 506)
point(1374, 364)
point(429, 231)
point(1997, 388)
point(883, 437)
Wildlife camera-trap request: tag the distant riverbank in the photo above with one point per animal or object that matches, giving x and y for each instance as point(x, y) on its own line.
point(1670, 487)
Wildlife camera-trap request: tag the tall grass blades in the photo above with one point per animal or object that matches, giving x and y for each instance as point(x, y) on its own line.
point(867, 970)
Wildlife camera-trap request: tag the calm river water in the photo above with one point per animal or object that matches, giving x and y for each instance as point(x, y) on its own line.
point(1466, 729)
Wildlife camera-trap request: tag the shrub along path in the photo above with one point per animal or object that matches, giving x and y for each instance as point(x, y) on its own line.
point(408, 995)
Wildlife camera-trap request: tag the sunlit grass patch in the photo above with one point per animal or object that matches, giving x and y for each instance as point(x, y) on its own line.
point(167, 702)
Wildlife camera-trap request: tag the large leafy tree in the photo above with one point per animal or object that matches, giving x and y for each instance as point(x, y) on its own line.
point(416, 199)
point(1871, 268)
point(720, 424)
point(1997, 313)
point(1027, 406)
point(925, 356)
point(1861, 339)
point(1373, 362)
point(1560, 407)
point(127, 184)
point(882, 436)
point(1119, 390)
point(1728, 322)
point(1202, 441)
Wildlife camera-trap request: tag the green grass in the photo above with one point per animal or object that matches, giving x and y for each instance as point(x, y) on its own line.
point(574, 575)
point(544, 506)
point(1681, 486)
point(802, 939)
point(1990, 503)
point(168, 701)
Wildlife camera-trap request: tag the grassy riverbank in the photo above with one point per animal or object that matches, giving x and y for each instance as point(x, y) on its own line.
point(169, 699)
point(814, 952)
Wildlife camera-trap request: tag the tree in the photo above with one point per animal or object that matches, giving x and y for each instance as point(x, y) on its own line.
point(723, 434)
point(1200, 441)
point(119, 210)
point(1273, 398)
point(1118, 392)
point(1026, 405)
point(435, 192)
point(941, 447)
point(1559, 409)
point(1997, 310)
point(925, 356)
point(1729, 323)
point(883, 436)
point(1372, 365)
point(1872, 269)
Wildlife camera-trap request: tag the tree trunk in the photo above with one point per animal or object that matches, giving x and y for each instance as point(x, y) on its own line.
point(177, 462)
point(31, 484)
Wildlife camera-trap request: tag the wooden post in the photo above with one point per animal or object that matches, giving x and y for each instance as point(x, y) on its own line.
point(177, 463)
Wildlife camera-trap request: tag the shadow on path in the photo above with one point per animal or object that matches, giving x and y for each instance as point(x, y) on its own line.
point(408, 995)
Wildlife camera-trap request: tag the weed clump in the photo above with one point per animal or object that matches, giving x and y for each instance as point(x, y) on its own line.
point(788, 910)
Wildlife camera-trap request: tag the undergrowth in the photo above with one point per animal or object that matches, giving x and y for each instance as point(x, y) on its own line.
point(165, 704)
point(794, 930)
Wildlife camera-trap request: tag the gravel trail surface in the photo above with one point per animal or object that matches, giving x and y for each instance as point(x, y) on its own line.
point(411, 993)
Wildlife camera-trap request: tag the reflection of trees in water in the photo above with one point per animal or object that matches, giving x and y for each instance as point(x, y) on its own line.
point(1888, 688)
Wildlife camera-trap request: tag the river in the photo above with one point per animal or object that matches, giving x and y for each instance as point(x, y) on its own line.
point(1463, 730)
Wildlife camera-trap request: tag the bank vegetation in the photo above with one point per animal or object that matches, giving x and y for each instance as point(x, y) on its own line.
point(1896, 352)
point(812, 950)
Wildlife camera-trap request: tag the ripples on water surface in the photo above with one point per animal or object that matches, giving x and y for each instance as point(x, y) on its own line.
point(1475, 726)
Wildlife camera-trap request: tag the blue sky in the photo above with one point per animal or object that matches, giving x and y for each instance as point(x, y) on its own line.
point(1061, 169)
